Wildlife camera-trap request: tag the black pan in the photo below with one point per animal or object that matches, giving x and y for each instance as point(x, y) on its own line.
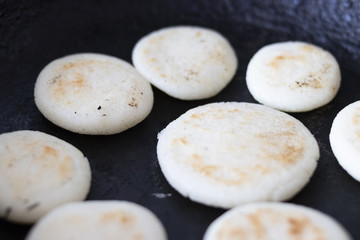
point(124, 166)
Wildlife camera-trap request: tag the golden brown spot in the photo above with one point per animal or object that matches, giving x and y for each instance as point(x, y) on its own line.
point(191, 74)
point(73, 220)
point(196, 157)
point(163, 75)
point(196, 125)
point(228, 176)
point(64, 86)
point(198, 165)
point(146, 51)
point(358, 134)
point(197, 115)
point(297, 226)
point(315, 83)
point(356, 118)
point(260, 221)
point(49, 168)
point(290, 124)
point(308, 48)
point(68, 66)
point(138, 236)
point(259, 229)
point(50, 151)
point(126, 219)
point(288, 155)
point(208, 170)
point(77, 64)
point(219, 116)
point(153, 60)
point(156, 40)
point(59, 91)
point(260, 169)
point(79, 81)
point(66, 168)
point(122, 217)
point(229, 233)
point(184, 140)
point(198, 34)
point(284, 134)
point(233, 110)
point(315, 80)
point(282, 147)
point(219, 56)
point(280, 60)
point(72, 77)
point(311, 81)
point(133, 103)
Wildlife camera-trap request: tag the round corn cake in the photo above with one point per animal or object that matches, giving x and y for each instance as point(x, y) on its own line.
point(275, 221)
point(39, 172)
point(106, 220)
point(93, 94)
point(186, 62)
point(345, 139)
point(293, 76)
point(226, 154)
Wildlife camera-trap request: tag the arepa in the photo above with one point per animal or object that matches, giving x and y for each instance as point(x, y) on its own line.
point(293, 76)
point(345, 139)
point(226, 154)
point(186, 62)
point(275, 221)
point(92, 93)
point(39, 172)
point(93, 220)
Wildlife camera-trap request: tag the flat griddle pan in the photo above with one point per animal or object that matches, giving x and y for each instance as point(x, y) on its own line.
point(124, 166)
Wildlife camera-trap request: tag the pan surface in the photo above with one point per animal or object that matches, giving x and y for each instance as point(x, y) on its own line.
point(124, 165)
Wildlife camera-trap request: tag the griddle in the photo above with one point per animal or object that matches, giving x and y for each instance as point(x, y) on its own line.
point(124, 166)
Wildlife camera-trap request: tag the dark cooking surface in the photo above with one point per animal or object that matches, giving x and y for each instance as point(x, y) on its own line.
point(124, 166)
